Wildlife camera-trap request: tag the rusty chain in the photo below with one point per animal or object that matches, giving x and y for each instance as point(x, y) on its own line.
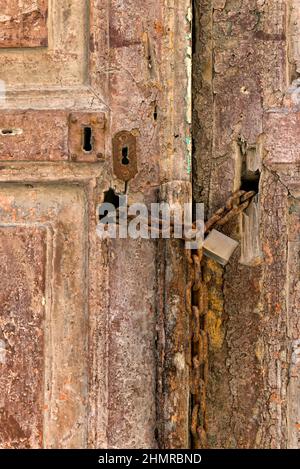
point(236, 204)
point(197, 301)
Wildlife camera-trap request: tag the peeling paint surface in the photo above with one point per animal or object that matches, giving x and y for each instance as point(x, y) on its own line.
point(23, 23)
point(22, 256)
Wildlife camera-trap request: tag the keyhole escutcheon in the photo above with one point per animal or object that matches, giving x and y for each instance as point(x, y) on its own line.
point(125, 155)
point(87, 139)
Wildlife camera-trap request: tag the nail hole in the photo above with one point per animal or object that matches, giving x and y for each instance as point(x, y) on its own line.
point(125, 154)
point(11, 131)
point(155, 113)
point(87, 139)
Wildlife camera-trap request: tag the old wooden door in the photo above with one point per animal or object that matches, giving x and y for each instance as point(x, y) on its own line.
point(77, 315)
point(247, 68)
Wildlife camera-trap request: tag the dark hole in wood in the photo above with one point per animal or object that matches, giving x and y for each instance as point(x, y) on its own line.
point(87, 139)
point(250, 181)
point(110, 197)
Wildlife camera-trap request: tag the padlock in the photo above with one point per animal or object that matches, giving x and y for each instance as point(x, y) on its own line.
point(219, 247)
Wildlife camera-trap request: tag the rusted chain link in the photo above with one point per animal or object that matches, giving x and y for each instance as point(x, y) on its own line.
point(197, 305)
point(236, 204)
point(197, 301)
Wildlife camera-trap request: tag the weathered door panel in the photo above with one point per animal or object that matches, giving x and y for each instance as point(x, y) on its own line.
point(43, 316)
point(22, 335)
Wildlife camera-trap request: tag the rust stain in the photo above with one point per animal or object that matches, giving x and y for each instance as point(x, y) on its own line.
point(118, 38)
point(23, 25)
point(264, 36)
point(11, 430)
point(214, 329)
point(159, 27)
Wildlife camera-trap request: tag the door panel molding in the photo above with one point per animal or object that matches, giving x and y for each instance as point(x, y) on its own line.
point(62, 311)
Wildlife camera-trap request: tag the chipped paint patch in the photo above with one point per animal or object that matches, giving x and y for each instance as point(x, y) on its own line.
point(179, 361)
point(188, 142)
point(2, 352)
point(2, 92)
point(188, 98)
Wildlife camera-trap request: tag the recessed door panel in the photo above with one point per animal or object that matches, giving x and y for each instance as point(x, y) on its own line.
point(43, 320)
point(22, 337)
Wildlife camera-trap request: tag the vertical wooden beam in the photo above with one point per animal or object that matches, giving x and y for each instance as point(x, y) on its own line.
point(174, 350)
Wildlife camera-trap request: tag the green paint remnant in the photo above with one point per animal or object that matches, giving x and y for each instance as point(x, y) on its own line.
point(188, 142)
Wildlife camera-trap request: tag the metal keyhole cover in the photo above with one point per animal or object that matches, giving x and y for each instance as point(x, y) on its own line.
point(125, 155)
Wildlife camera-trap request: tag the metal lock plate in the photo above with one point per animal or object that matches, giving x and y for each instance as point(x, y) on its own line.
point(219, 247)
point(86, 136)
point(124, 155)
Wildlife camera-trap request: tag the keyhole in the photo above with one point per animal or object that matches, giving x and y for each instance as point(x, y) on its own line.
point(125, 159)
point(87, 139)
